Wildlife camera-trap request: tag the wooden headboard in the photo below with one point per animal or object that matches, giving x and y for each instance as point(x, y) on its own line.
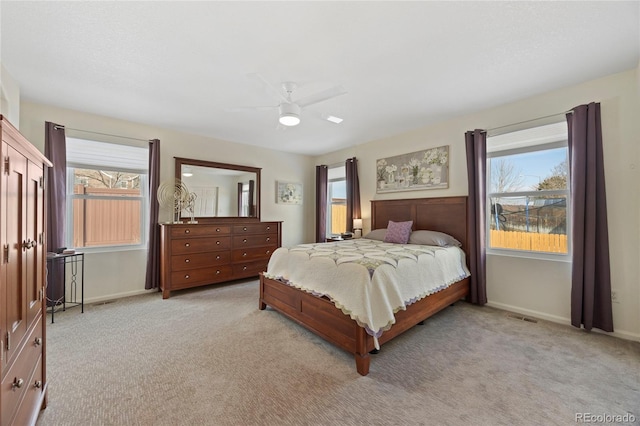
point(444, 214)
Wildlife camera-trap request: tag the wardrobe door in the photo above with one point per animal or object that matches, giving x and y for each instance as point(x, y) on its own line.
point(35, 238)
point(15, 289)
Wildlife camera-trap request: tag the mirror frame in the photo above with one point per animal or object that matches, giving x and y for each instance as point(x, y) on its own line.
point(179, 162)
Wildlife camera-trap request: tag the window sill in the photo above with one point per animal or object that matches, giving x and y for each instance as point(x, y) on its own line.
point(110, 249)
point(552, 257)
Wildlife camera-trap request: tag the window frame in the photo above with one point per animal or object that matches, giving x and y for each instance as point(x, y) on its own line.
point(144, 198)
point(341, 178)
point(498, 153)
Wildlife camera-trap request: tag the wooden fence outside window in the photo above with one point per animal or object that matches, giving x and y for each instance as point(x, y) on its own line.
point(550, 243)
point(106, 222)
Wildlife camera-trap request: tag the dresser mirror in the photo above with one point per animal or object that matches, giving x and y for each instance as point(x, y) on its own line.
point(221, 190)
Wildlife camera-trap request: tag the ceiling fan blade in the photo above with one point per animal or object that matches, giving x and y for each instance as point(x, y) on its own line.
point(321, 96)
point(324, 116)
point(332, 118)
point(273, 91)
point(251, 108)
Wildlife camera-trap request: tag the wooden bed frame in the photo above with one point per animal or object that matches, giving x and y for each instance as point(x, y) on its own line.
point(318, 314)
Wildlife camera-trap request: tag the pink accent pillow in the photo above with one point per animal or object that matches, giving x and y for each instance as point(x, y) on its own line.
point(398, 232)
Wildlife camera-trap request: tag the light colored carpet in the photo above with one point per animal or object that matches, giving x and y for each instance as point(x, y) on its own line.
point(208, 356)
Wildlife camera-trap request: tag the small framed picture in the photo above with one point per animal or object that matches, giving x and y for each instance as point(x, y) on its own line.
point(288, 192)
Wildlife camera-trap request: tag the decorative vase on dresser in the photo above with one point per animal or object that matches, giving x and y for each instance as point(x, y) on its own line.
point(22, 279)
point(194, 255)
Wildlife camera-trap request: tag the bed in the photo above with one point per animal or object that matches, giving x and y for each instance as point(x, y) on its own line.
point(320, 315)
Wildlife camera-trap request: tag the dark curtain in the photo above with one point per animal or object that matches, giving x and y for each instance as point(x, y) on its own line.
point(353, 192)
point(152, 279)
point(55, 149)
point(239, 198)
point(252, 206)
point(476, 144)
point(322, 178)
point(590, 275)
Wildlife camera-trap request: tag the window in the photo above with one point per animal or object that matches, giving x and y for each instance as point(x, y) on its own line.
point(528, 191)
point(107, 195)
point(336, 201)
point(244, 200)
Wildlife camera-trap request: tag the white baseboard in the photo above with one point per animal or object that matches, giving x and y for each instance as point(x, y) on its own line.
point(627, 335)
point(117, 296)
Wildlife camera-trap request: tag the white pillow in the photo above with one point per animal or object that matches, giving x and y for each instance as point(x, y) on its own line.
point(433, 238)
point(377, 234)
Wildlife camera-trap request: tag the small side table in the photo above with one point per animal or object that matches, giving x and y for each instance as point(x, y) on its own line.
point(73, 262)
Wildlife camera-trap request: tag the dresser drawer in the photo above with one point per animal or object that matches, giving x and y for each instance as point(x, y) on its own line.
point(249, 269)
point(199, 230)
point(255, 228)
point(17, 381)
point(240, 241)
point(253, 253)
point(33, 396)
point(199, 245)
point(199, 260)
point(185, 279)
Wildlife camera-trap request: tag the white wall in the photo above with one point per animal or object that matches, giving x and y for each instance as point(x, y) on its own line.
point(117, 274)
point(9, 97)
point(535, 287)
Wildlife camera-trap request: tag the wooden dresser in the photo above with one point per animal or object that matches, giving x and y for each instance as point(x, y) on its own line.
point(194, 255)
point(22, 279)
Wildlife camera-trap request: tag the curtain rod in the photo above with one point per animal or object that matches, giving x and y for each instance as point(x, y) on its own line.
point(529, 121)
point(58, 126)
point(330, 166)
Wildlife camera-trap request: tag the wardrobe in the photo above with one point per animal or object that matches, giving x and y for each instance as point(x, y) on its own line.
point(22, 279)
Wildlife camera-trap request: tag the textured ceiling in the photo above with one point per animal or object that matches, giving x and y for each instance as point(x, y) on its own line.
point(183, 65)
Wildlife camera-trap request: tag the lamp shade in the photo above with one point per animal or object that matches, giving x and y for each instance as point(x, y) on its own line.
point(357, 223)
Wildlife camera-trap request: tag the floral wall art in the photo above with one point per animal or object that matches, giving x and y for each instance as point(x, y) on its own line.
point(288, 192)
point(428, 169)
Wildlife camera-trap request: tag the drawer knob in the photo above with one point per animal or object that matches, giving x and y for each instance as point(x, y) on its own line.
point(187, 245)
point(268, 251)
point(217, 242)
point(217, 272)
point(218, 257)
point(186, 231)
point(38, 341)
point(244, 229)
point(37, 384)
point(268, 239)
point(217, 229)
point(244, 241)
point(244, 268)
point(187, 276)
point(244, 254)
point(17, 383)
point(268, 228)
point(187, 260)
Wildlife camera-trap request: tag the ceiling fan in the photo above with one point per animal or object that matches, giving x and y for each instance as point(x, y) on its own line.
point(289, 111)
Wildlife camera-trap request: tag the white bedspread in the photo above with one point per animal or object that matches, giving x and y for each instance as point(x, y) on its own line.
point(369, 280)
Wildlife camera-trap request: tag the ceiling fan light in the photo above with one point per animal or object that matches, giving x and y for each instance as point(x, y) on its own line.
point(289, 114)
point(289, 120)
